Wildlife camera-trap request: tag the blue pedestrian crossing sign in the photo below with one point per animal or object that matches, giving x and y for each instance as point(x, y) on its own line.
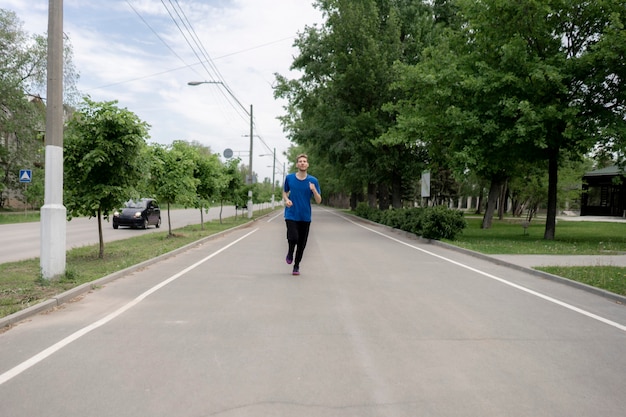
point(26, 175)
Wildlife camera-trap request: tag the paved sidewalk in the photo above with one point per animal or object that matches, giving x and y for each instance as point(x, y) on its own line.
point(530, 261)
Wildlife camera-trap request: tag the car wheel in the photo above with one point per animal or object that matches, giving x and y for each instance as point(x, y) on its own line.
point(115, 226)
point(158, 223)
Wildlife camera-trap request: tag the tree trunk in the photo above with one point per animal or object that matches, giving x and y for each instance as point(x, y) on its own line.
point(396, 192)
point(100, 236)
point(169, 222)
point(494, 193)
point(383, 196)
point(201, 218)
point(553, 174)
point(480, 198)
point(371, 195)
point(356, 197)
point(502, 198)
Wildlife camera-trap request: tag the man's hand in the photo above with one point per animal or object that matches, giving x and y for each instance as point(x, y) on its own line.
point(316, 195)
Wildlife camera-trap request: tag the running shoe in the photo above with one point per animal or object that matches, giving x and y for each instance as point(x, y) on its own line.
point(289, 259)
point(296, 271)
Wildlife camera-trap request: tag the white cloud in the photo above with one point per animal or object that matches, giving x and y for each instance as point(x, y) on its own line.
point(120, 58)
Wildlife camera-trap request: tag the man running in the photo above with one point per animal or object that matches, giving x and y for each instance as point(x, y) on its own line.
point(298, 189)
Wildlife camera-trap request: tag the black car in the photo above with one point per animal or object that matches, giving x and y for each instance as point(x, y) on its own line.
point(142, 213)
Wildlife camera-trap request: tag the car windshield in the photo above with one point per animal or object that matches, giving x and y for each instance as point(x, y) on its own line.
point(135, 204)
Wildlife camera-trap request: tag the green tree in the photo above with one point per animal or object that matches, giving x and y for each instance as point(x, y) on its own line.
point(335, 109)
point(570, 182)
point(209, 173)
point(172, 176)
point(23, 59)
point(102, 149)
point(231, 188)
point(521, 82)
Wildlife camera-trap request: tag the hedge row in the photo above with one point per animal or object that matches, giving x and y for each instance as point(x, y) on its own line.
point(437, 222)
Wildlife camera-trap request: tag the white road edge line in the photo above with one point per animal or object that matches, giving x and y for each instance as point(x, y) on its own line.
point(502, 280)
point(281, 214)
point(15, 371)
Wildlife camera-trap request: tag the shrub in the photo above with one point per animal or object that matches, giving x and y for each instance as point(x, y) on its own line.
point(361, 210)
point(393, 218)
point(442, 223)
point(437, 222)
point(413, 223)
point(365, 211)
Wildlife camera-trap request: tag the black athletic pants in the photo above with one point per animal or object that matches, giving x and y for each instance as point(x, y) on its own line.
point(297, 235)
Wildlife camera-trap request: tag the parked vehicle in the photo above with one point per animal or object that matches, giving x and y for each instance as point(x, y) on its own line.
point(138, 214)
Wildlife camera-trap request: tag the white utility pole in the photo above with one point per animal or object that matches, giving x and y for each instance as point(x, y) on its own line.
point(250, 203)
point(53, 213)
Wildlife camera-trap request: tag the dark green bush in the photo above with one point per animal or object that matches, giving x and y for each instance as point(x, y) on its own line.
point(413, 223)
point(361, 210)
point(437, 222)
point(365, 211)
point(440, 222)
point(393, 218)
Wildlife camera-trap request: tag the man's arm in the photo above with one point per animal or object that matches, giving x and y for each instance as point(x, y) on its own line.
point(286, 199)
point(317, 196)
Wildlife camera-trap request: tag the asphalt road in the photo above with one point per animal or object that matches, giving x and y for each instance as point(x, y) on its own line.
point(376, 325)
point(21, 241)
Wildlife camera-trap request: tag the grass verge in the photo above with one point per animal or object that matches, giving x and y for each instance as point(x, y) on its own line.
point(7, 217)
point(572, 238)
point(21, 285)
point(609, 278)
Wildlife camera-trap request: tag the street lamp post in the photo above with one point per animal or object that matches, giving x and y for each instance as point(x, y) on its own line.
point(273, 173)
point(273, 155)
point(249, 113)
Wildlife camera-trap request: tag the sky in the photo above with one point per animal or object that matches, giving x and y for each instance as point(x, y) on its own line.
point(143, 53)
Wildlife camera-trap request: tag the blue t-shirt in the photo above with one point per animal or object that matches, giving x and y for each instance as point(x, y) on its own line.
point(300, 195)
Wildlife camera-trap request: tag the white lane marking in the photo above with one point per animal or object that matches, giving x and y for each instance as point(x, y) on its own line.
point(275, 217)
point(12, 373)
point(502, 280)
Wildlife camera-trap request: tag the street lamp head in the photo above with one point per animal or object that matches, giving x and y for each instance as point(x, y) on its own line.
point(194, 83)
point(204, 82)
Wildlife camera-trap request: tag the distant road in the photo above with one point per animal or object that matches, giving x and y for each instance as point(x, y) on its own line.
point(22, 240)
